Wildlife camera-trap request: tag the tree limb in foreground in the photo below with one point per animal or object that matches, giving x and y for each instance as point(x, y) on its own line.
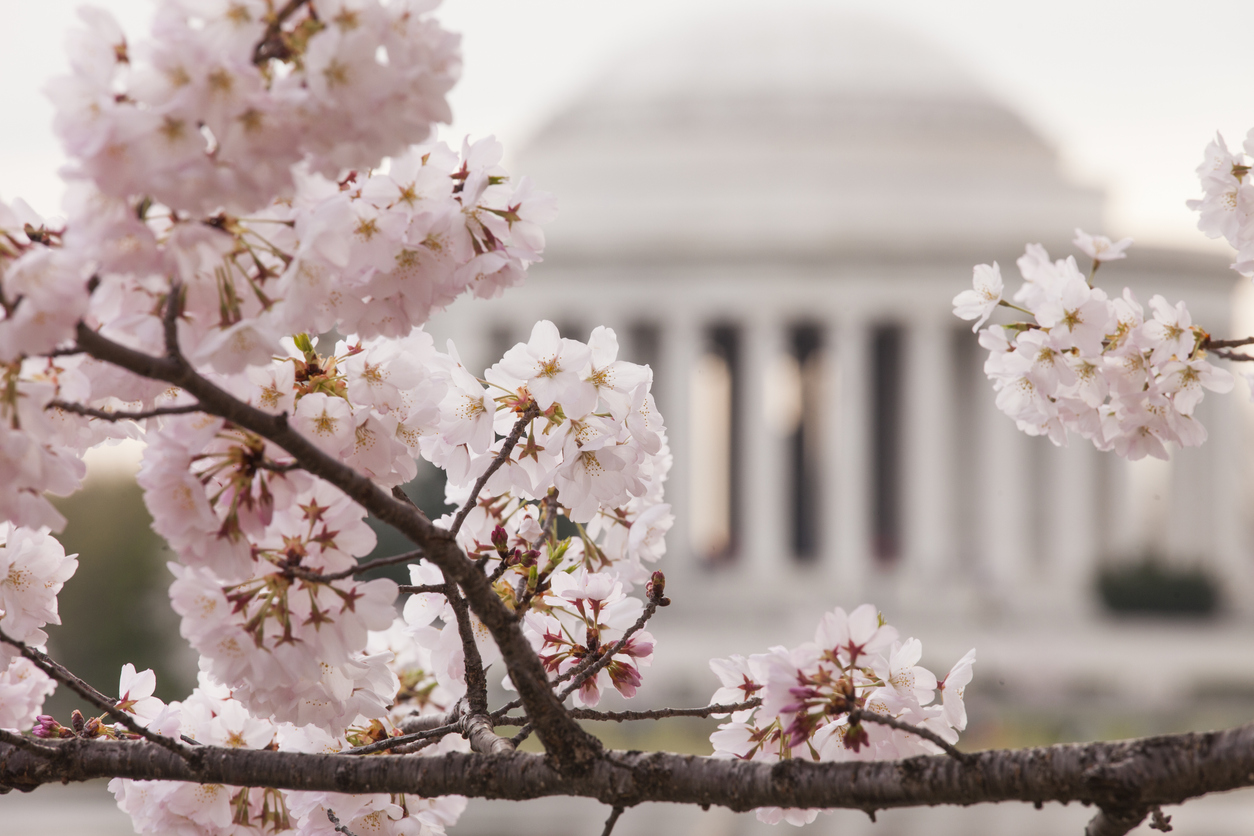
point(1125, 779)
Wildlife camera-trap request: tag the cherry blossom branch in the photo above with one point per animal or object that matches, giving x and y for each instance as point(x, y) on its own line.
point(106, 415)
point(378, 562)
point(532, 411)
point(859, 714)
point(1114, 776)
point(592, 665)
point(359, 569)
point(60, 673)
point(563, 739)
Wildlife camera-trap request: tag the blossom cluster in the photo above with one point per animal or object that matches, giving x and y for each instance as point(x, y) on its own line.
point(591, 452)
point(1090, 364)
point(211, 716)
point(856, 663)
point(33, 568)
point(215, 110)
point(1226, 208)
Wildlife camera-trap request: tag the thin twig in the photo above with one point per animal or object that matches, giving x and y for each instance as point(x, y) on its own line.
point(532, 412)
point(360, 568)
point(60, 673)
point(23, 742)
point(425, 722)
point(612, 820)
point(106, 415)
point(599, 660)
point(170, 323)
point(1231, 355)
point(339, 828)
point(402, 739)
point(271, 44)
point(1212, 343)
point(592, 665)
point(476, 679)
point(420, 589)
point(655, 714)
point(859, 714)
point(522, 735)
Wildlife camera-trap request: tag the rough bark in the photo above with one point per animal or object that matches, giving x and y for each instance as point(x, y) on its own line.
point(1123, 778)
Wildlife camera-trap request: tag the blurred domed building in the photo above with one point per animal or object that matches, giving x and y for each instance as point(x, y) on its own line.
point(776, 215)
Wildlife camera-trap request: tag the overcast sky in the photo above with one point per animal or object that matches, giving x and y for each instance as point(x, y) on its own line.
point(1130, 92)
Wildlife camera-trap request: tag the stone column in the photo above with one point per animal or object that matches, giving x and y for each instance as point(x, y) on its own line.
point(1072, 552)
point(767, 554)
point(929, 447)
point(846, 549)
point(1227, 507)
point(681, 343)
point(1004, 518)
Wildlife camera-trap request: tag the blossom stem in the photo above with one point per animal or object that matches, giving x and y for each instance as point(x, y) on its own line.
point(1013, 306)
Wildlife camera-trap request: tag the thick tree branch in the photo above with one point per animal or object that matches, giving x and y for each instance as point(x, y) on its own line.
point(561, 736)
point(1117, 776)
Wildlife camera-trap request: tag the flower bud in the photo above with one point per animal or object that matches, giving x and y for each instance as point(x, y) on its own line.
point(656, 590)
point(500, 540)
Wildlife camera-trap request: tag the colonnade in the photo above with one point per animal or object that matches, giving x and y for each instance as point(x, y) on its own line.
point(983, 512)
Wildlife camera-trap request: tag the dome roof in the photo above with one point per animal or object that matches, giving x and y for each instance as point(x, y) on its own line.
point(812, 54)
point(803, 132)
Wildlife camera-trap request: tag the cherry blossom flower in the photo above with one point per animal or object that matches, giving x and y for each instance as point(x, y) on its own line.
point(980, 302)
point(1099, 247)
